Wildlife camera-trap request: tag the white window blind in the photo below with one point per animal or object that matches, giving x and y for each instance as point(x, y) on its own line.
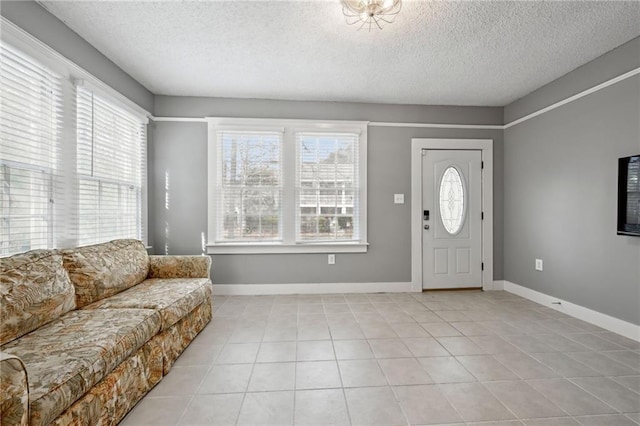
point(30, 142)
point(249, 186)
point(111, 144)
point(328, 187)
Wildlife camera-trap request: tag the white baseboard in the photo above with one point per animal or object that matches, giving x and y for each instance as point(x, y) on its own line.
point(311, 288)
point(599, 319)
point(497, 285)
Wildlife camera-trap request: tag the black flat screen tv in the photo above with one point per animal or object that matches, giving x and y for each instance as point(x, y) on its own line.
point(629, 195)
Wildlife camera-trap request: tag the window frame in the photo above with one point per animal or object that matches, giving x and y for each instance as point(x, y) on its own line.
point(289, 128)
point(63, 227)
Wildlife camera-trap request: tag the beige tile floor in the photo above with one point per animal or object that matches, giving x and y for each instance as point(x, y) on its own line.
point(395, 359)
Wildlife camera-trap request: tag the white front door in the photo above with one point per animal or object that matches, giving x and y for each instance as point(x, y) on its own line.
point(451, 218)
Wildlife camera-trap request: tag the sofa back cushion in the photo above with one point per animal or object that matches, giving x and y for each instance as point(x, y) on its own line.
point(102, 270)
point(34, 290)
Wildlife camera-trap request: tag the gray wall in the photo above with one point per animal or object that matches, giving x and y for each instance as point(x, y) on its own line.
point(180, 149)
point(38, 22)
point(560, 183)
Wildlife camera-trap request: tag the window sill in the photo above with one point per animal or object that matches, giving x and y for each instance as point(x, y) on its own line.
point(271, 248)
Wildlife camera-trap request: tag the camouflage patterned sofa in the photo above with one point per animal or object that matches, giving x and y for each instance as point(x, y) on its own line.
point(86, 333)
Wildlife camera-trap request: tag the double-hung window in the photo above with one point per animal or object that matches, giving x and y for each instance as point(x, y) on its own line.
point(110, 169)
point(72, 152)
point(30, 141)
point(287, 186)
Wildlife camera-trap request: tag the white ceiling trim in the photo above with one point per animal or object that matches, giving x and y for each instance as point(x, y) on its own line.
point(575, 97)
point(527, 117)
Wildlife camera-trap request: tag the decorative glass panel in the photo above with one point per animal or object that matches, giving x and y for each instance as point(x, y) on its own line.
point(452, 201)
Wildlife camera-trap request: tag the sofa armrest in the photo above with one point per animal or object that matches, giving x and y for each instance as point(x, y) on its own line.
point(14, 388)
point(179, 266)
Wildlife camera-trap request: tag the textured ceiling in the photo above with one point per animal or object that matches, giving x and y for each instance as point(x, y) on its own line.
point(436, 52)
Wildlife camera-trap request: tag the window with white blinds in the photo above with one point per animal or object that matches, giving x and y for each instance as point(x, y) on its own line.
point(327, 182)
point(30, 142)
point(249, 190)
point(299, 187)
point(111, 145)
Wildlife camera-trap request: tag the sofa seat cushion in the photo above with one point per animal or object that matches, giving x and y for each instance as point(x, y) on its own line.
point(66, 357)
point(173, 298)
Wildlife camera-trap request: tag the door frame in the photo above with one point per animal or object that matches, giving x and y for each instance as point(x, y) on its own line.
point(486, 148)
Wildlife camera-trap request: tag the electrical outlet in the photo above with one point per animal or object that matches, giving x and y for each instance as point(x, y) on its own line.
point(398, 198)
point(538, 264)
point(331, 259)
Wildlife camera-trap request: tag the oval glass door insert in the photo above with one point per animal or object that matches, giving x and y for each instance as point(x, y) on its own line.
point(452, 200)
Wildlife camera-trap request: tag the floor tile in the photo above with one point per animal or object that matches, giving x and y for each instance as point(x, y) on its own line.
point(440, 329)
point(317, 375)
point(213, 410)
point(157, 411)
point(606, 420)
point(389, 348)
point(359, 373)
point(630, 382)
point(426, 317)
point(486, 368)
point(558, 421)
point(277, 352)
point(523, 400)
point(412, 329)
point(180, 381)
point(620, 340)
point(373, 406)
point(348, 332)
point(238, 353)
point(471, 328)
point(446, 370)
point(602, 363)
point(593, 342)
point(313, 333)
point(425, 404)
point(525, 366)
point(195, 355)
point(425, 346)
point(404, 371)
point(246, 335)
point(634, 416)
point(451, 316)
point(352, 349)
point(562, 343)
point(610, 392)
point(474, 402)
point(570, 397)
point(528, 343)
point(226, 378)
point(460, 346)
point(565, 366)
point(494, 344)
point(267, 408)
point(277, 334)
point(315, 350)
point(272, 377)
point(628, 358)
point(321, 407)
point(378, 331)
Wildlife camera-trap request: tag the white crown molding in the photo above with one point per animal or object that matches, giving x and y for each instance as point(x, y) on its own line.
point(438, 126)
point(616, 325)
point(311, 288)
point(520, 120)
point(574, 97)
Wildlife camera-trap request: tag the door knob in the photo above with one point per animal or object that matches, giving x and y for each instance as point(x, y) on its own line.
point(426, 227)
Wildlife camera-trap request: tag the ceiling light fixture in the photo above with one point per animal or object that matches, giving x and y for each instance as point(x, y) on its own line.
point(370, 13)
